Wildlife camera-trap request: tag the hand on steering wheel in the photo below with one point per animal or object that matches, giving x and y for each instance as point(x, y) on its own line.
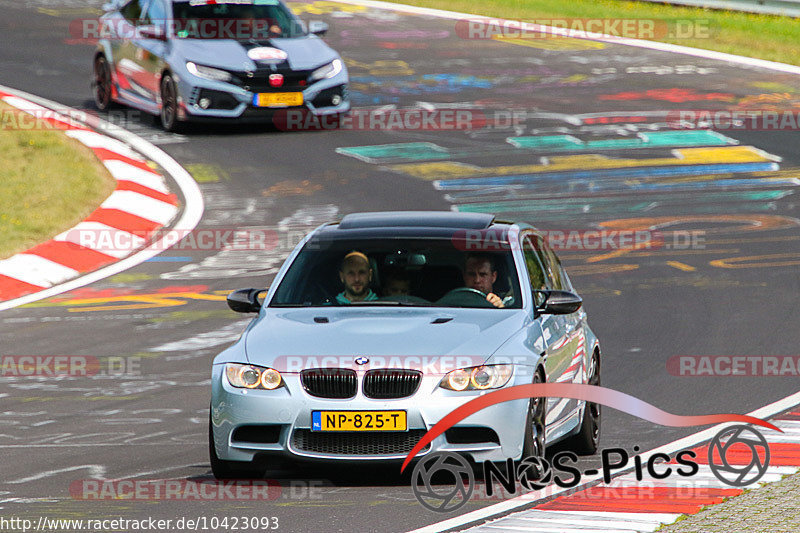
point(492, 298)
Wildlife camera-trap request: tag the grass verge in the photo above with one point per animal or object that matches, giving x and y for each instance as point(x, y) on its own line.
point(48, 183)
point(761, 36)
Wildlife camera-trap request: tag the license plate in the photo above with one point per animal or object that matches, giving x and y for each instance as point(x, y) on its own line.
point(278, 99)
point(358, 421)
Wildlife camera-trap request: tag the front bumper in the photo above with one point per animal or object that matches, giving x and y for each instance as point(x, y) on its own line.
point(230, 101)
point(285, 414)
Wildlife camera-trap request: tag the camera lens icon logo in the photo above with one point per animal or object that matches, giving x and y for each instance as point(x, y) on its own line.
point(744, 446)
point(443, 481)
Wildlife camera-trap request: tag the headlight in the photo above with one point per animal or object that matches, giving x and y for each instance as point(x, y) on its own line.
point(477, 378)
point(328, 71)
point(208, 72)
point(252, 377)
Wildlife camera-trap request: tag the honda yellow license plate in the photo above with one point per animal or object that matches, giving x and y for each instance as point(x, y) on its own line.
point(278, 99)
point(358, 420)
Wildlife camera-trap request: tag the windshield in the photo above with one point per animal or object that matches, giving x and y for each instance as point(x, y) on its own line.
point(243, 20)
point(399, 272)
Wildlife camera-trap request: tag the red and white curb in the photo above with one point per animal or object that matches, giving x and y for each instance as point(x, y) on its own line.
point(629, 505)
point(140, 205)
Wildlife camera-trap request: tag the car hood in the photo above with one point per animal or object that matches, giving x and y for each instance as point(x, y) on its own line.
point(303, 336)
point(304, 53)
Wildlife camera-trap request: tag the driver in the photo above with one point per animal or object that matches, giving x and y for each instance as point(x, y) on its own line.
point(356, 275)
point(480, 273)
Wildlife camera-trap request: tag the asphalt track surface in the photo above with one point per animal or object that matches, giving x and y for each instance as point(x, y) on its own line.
point(152, 422)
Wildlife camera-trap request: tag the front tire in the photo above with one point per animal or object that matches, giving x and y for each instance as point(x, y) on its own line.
point(534, 444)
point(169, 104)
point(102, 84)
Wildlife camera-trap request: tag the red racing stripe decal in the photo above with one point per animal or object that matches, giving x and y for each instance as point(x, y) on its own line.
point(72, 255)
point(14, 288)
point(641, 499)
point(122, 220)
point(124, 185)
point(104, 154)
point(780, 454)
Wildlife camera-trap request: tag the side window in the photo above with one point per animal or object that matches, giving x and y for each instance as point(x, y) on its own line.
point(132, 11)
point(553, 267)
point(533, 264)
point(156, 14)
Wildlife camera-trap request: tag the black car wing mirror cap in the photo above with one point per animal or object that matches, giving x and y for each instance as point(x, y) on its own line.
point(245, 300)
point(553, 302)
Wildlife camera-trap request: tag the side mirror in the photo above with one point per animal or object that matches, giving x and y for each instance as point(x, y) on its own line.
point(557, 302)
point(152, 31)
point(245, 300)
point(318, 27)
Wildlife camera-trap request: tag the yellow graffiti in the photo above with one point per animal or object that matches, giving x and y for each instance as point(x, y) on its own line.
point(617, 253)
point(132, 301)
point(292, 188)
point(323, 8)
point(735, 223)
point(683, 156)
point(551, 42)
point(382, 67)
point(759, 261)
point(681, 266)
point(770, 98)
point(70, 11)
point(588, 270)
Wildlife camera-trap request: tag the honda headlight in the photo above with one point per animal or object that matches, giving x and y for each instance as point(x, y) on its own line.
point(477, 378)
point(252, 377)
point(327, 71)
point(209, 73)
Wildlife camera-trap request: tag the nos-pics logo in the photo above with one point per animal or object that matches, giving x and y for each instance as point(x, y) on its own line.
point(444, 481)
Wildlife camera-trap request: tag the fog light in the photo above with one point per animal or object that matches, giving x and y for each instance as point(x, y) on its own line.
point(336, 99)
point(205, 103)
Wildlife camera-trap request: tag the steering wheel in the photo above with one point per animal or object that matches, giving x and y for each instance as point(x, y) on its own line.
point(465, 296)
point(466, 290)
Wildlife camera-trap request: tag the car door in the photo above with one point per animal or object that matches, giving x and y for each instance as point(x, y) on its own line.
point(570, 338)
point(149, 53)
point(128, 72)
point(557, 357)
